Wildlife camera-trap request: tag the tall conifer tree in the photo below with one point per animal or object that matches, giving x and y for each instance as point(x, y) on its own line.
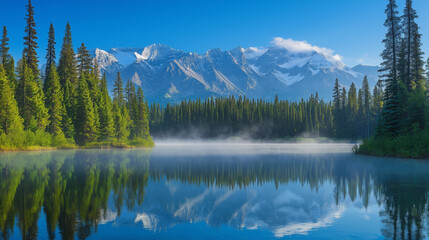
point(85, 124)
point(67, 72)
point(7, 60)
point(105, 111)
point(10, 120)
point(142, 121)
point(121, 116)
point(30, 44)
point(54, 102)
point(4, 47)
point(84, 60)
point(50, 56)
point(337, 106)
point(50, 51)
point(118, 90)
point(30, 100)
point(391, 110)
point(366, 94)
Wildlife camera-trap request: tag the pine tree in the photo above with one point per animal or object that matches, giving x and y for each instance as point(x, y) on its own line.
point(417, 64)
point(67, 72)
point(4, 47)
point(10, 73)
point(67, 69)
point(105, 111)
point(30, 100)
point(366, 104)
point(414, 55)
point(50, 51)
point(50, 56)
point(95, 83)
point(84, 60)
point(343, 112)
point(85, 124)
point(121, 121)
point(337, 106)
point(352, 109)
point(361, 113)
point(118, 90)
point(391, 110)
point(377, 102)
point(10, 121)
point(403, 76)
point(54, 102)
point(30, 44)
point(121, 116)
point(142, 121)
point(7, 60)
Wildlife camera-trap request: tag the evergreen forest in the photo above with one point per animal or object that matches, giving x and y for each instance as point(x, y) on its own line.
point(67, 103)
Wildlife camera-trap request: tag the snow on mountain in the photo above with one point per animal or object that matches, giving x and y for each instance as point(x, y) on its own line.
point(104, 58)
point(288, 68)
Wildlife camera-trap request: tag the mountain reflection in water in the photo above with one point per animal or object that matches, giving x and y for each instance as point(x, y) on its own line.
point(269, 190)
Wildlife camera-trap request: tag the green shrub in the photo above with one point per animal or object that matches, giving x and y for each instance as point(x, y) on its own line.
point(414, 144)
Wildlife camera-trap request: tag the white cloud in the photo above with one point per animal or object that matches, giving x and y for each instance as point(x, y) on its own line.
point(303, 47)
point(254, 52)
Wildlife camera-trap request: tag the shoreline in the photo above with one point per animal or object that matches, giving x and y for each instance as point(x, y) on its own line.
point(36, 149)
point(149, 145)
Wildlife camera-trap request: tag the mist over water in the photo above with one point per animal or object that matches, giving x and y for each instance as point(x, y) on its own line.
point(233, 147)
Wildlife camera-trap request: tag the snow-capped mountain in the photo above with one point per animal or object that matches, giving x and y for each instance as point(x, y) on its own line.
point(170, 75)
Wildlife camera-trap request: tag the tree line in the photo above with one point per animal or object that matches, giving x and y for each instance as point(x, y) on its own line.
point(68, 102)
point(351, 115)
point(403, 128)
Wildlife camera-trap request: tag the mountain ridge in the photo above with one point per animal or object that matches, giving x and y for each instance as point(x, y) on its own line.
point(170, 75)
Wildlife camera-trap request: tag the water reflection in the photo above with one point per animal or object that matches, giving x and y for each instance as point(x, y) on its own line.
point(288, 193)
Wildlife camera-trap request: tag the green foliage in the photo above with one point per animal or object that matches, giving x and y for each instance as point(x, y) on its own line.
point(225, 117)
point(4, 47)
point(10, 121)
point(85, 123)
point(121, 122)
point(84, 60)
point(141, 119)
point(30, 44)
point(411, 145)
point(30, 100)
point(50, 57)
point(403, 129)
point(105, 112)
point(72, 106)
point(67, 71)
point(54, 102)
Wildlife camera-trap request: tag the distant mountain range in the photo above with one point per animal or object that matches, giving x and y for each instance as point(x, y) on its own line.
point(170, 75)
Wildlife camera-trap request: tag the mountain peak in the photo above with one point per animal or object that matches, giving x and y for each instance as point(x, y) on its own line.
point(254, 72)
point(155, 51)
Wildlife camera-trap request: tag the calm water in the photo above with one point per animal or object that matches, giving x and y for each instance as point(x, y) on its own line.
point(213, 191)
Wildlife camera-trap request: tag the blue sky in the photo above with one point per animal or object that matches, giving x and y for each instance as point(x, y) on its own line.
point(352, 28)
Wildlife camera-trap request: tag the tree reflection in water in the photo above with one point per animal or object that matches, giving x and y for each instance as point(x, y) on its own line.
point(73, 187)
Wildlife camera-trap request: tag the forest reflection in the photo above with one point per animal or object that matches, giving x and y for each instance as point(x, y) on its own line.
point(72, 188)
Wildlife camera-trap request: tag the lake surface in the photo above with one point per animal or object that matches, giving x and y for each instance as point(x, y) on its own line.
point(213, 191)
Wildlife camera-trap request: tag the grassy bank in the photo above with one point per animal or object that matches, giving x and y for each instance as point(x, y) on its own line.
point(40, 140)
point(410, 145)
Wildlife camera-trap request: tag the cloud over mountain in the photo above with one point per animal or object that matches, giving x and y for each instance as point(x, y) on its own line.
point(302, 47)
